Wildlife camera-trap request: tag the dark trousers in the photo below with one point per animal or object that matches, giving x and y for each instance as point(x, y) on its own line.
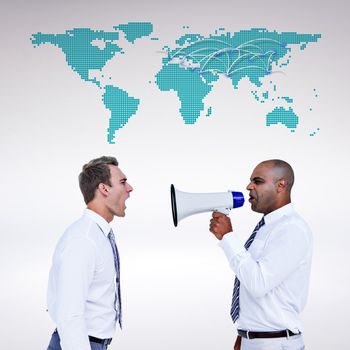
point(55, 343)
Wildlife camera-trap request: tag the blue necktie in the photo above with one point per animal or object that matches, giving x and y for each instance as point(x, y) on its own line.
point(117, 270)
point(235, 297)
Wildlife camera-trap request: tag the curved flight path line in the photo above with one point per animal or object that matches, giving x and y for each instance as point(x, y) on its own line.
point(194, 54)
point(248, 67)
point(269, 60)
point(261, 39)
point(195, 51)
point(226, 44)
point(199, 61)
point(247, 50)
point(201, 41)
point(204, 56)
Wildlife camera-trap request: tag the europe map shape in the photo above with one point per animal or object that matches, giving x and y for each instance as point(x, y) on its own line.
point(189, 68)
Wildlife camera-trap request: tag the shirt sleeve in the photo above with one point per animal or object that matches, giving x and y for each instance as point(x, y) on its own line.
point(280, 257)
point(74, 275)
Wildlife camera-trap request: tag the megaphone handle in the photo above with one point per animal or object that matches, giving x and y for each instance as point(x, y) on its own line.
point(223, 210)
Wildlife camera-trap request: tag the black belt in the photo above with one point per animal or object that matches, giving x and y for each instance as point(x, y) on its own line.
point(277, 334)
point(100, 341)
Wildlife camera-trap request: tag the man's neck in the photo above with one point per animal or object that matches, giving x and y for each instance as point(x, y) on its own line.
point(102, 211)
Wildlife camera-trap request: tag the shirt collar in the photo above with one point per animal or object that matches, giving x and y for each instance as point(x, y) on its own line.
point(278, 213)
point(99, 220)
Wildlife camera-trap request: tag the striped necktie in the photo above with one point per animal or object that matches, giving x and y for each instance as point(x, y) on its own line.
point(235, 297)
point(117, 270)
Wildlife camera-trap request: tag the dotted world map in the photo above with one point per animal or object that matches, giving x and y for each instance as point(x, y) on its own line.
point(189, 67)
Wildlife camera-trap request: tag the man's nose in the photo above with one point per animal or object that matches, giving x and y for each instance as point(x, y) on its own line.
point(249, 186)
point(129, 188)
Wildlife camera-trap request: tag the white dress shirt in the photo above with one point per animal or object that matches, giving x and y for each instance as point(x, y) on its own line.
point(81, 288)
point(274, 272)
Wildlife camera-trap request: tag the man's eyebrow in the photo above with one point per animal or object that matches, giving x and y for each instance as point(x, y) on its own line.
point(123, 179)
point(257, 178)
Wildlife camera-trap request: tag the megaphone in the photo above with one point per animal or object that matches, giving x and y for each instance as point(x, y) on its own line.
point(184, 204)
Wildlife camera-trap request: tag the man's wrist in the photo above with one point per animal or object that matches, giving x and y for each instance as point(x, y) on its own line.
point(222, 235)
point(232, 245)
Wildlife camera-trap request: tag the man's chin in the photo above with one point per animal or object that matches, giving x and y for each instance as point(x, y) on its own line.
point(255, 208)
point(120, 214)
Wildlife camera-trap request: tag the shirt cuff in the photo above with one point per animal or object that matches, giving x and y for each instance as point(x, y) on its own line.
point(232, 246)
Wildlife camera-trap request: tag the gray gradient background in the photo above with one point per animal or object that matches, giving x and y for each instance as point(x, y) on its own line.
point(176, 282)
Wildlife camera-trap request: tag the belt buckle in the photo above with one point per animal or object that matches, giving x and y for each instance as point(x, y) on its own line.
point(106, 342)
point(248, 335)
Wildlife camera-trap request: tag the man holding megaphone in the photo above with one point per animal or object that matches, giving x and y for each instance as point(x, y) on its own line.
point(272, 268)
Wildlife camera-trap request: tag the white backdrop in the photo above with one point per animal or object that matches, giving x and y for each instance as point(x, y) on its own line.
point(176, 282)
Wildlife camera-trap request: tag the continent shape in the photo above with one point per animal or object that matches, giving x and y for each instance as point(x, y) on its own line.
point(284, 116)
point(190, 87)
point(81, 55)
point(87, 50)
point(135, 30)
point(122, 107)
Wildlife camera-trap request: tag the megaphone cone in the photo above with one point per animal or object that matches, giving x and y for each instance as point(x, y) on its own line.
point(184, 204)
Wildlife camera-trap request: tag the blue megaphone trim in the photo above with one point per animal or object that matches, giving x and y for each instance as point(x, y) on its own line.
point(238, 199)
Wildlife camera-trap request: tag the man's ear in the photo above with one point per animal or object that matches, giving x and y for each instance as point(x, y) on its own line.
point(103, 189)
point(282, 184)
